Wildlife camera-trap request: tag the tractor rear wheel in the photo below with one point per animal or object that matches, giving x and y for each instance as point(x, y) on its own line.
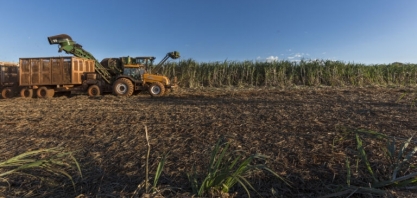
point(157, 89)
point(6, 93)
point(123, 87)
point(94, 91)
point(26, 93)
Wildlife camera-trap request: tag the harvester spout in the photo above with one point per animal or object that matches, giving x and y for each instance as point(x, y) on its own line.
point(62, 40)
point(58, 39)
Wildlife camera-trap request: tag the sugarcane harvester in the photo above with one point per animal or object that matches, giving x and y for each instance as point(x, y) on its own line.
point(122, 76)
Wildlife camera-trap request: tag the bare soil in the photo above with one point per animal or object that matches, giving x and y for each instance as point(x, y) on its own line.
point(306, 132)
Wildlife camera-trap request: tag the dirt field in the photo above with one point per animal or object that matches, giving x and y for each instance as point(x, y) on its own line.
point(304, 131)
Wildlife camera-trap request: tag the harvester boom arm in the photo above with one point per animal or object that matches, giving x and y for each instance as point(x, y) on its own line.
point(71, 47)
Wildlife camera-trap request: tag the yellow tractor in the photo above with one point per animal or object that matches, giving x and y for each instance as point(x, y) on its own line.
point(135, 77)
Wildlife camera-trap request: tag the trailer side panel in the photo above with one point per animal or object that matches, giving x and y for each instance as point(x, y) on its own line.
point(54, 70)
point(9, 74)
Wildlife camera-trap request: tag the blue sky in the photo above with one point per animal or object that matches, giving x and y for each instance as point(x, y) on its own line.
point(370, 32)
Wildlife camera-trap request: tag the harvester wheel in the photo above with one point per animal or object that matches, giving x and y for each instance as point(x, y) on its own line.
point(6, 93)
point(157, 89)
point(26, 93)
point(43, 92)
point(94, 90)
point(123, 87)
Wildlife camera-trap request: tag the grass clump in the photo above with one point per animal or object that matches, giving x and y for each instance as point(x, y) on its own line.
point(53, 160)
point(226, 169)
point(154, 190)
point(398, 170)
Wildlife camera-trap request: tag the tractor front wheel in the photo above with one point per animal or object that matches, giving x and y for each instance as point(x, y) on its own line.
point(157, 89)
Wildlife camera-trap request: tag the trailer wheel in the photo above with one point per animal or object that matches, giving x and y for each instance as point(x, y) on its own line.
point(43, 92)
point(26, 93)
point(51, 93)
point(157, 89)
point(6, 93)
point(123, 87)
point(93, 91)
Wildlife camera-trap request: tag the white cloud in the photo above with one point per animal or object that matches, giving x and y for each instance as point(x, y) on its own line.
point(272, 59)
point(297, 55)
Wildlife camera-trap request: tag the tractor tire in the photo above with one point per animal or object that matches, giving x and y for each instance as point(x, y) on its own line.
point(123, 87)
point(26, 93)
point(43, 92)
point(94, 91)
point(157, 89)
point(6, 93)
point(168, 91)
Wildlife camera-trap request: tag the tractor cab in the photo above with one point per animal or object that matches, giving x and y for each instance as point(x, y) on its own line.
point(135, 67)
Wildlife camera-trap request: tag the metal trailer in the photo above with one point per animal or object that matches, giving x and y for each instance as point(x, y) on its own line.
point(45, 76)
point(9, 79)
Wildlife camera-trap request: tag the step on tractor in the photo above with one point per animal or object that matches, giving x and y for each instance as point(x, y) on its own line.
point(123, 76)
